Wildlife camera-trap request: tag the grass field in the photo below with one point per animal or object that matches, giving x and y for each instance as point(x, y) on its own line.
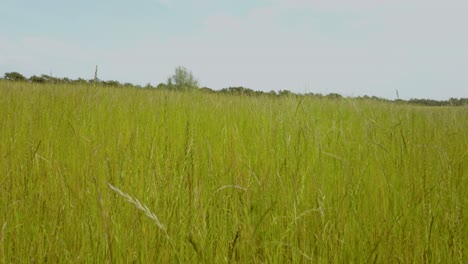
point(93, 174)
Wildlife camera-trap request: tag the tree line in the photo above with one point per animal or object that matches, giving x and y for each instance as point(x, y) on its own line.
point(183, 80)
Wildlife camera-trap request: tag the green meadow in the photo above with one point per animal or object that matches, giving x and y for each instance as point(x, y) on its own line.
point(90, 174)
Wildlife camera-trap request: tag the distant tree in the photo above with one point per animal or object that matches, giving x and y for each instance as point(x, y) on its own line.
point(50, 79)
point(428, 102)
point(285, 93)
point(110, 83)
point(65, 80)
point(457, 101)
point(314, 95)
point(182, 78)
point(37, 79)
point(14, 76)
point(162, 86)
point(239, 90)
point(80, 81)
point(272, 93)
point(206, 90)
point(334, 96)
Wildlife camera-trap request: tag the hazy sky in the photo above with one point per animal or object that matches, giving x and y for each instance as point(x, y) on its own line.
point(419, 47)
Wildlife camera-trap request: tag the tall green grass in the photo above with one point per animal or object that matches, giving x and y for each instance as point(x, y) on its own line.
point(93, 174)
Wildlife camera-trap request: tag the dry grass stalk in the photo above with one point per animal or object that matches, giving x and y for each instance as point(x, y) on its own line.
point(139, 206)
point(147, 212)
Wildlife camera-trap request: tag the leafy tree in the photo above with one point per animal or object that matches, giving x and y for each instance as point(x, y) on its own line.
point(14, 76)
point(334, 96)
point(314, 95)
point(80, 81)
point(49, 79)
point(110, 83)
point(206, 90)
point(285, 93)
point(37, 79)
point(240, 91)
point(162, 86)
point(272, 93)
point(66, 80)
point(182, 78)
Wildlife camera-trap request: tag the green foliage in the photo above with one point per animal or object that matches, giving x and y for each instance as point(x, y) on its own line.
point(272, 93)
point(182, 78)
point(334, 96)
point(163, 86)
point(50, 79)
point(451, 102)
point(14, 76)
point(110, 83)
point(91, 174)
point(37, 79)
point(285, 93)
point(239, 91)
point(207, 90)
point(248, 92)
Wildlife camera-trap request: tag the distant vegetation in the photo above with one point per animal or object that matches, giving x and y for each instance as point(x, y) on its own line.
point(183, 79)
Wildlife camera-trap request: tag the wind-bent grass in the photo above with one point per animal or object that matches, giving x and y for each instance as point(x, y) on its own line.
point(140, 206)
point(229, 178)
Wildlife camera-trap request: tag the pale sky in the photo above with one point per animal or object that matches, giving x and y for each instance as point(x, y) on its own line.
point(358, 47)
